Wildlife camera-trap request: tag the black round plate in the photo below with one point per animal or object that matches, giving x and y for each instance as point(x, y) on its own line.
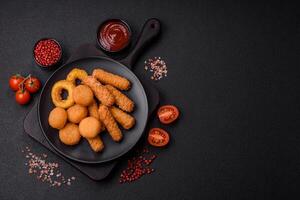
point(82, 152)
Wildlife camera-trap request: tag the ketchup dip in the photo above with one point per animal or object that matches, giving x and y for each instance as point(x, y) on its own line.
point(114, 35)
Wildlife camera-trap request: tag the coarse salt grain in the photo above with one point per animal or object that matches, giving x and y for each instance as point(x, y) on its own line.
point(157, 66)
point(45, 171)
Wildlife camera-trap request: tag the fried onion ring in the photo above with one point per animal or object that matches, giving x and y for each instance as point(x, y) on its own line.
point(56, 94)
point(76, 73)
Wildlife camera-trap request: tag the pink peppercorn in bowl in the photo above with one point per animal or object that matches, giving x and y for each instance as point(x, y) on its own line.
point(47, 53)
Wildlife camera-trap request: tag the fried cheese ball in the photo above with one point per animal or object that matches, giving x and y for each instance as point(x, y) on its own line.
point(76, 113)
point(70, 135)
point(96, 143)
point(121, 99)
point(58, 118)
point(89, 127)
point(83, 95)
point(123, 118)
point(56, 94)
point(110, 124)
point(111, 79)
point(76, 73)
point(101, 92)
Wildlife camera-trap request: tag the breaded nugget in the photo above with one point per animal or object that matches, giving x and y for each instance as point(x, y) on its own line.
point(99, 90)
point(76, 113)
point(89, 127)
point(93, 109)
point(69, 135)
point(110, 123)
point(111, 79)
point(121, 99)
point(83, 95)
point(96, 143)
point(58, 118)
point(123, 118)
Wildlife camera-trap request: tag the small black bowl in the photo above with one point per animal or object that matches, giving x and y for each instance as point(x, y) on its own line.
point(54, 65)
point(114, 20)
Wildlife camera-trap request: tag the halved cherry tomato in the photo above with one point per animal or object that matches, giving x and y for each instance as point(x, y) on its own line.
point(158, 137)
point(167, 114)
point(15, 81)
point(22, 96)
point(32, 84)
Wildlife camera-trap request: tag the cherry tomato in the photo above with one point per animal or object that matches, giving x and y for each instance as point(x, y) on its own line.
point(167, 114)
point(22, 96)
point(158, 137)
point(15, 81)
point(32, 84)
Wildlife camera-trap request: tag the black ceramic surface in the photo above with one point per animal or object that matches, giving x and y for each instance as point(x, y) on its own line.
point(95, 172)
point(82, 152)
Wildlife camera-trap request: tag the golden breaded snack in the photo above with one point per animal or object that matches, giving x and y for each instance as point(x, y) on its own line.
point(121, 99)
point(89, 127)
point(76, 113)
point(69, 135)
point(83, 95)
point(123, 118)
point(102, 94)
point(111, 79)
point(96, 143)
point(76, 73)
point(93, 112)
point(56, 94)
point(110, 124)
point(93, 109)
point(58, 118)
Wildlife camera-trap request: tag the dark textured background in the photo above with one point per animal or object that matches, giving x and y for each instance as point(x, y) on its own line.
point(233, 72)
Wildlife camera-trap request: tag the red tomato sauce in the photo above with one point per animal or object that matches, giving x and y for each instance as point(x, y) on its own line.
point(114, 35)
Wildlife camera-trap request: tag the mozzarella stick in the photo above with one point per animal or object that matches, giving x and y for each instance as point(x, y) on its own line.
point(124, 119)
point(93, 112)
point(111, 79)
point(121, 99)
point(99, 90)
point(110, 123)
point(96, 143)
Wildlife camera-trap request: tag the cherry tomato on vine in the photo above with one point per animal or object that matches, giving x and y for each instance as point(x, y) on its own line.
point(15, 81)
point(32, 84)
point(22, 96)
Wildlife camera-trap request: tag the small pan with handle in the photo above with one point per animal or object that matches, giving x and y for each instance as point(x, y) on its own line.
point(82, 152)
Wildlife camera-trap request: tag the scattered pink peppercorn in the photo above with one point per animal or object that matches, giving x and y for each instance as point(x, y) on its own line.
point(138, 166)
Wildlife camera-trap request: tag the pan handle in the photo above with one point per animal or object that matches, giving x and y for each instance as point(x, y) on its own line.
point(83, 51)
point(150, 30)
